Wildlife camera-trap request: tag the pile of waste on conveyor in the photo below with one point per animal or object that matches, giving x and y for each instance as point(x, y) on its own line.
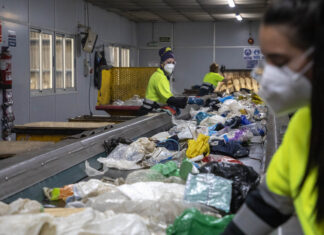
point(191, 179)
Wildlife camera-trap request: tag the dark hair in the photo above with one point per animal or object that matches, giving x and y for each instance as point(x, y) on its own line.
point(214, 68)
point(305, 19)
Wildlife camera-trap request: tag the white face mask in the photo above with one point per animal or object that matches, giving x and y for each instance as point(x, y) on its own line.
point(284, 90)
point(169, 68)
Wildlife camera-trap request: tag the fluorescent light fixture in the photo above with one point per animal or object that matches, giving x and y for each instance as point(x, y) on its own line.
point(231, 3)
point(238, 17)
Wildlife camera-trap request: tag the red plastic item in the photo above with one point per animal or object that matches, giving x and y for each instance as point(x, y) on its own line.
point(174, 112)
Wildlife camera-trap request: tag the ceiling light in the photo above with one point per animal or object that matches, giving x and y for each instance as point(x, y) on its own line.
point(238, 17)
point(231, 3)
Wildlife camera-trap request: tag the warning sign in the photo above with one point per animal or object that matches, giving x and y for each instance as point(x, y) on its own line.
point(252, 53)
point(12, 39)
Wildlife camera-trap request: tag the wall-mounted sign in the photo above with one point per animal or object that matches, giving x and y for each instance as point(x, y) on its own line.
point(252, 53)
point(12, 38)
point(165, 39)
point(251, 64)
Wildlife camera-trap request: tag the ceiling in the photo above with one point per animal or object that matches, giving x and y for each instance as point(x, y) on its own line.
point(183, 10)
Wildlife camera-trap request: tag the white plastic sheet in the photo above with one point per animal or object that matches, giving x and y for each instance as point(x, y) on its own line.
point(20, 206)
point(210, 121)
point(98, 223)
point(90, 171)
point(27, 224)
point(91, 188)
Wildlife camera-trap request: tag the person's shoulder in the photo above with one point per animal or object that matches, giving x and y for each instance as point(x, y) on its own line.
point(302, 114)
point(301, 121)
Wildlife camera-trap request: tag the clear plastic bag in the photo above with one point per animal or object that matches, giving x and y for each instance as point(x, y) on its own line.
point(134, 101)
point(20, 206)
point(159, 155)
point(210, 190)
point(144, 176)
point(210, 121)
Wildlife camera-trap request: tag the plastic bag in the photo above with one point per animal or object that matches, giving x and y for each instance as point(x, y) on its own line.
point(27, 224)
point(215, 119)
point(201, 116)
point(210, 190)
point(241, 136)
point(94, 222)
point(20, 206)
point(194, 112)
point(159, 211)
point(168, 169)
point(111, 144)
point(126, 152)
point(127, 156)
point(244, 120)
point(90, 171)
point(256, 128)
point(160, 154)
point(134, 101)
point(152, 191)
point(232, 106)
point(234, 122)
point(192, 222)
point(233, 149)
point(198, 147)
point(118, 102)
point(160, 136)
point(184, 130)
point(171, 143)
point(144, 176)
point(244, 179)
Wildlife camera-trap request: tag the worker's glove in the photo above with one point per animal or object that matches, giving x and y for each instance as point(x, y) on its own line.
point(195, 100)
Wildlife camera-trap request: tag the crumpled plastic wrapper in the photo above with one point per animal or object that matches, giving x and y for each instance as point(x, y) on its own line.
point(88, 221)
point(126, 157)
point(159, 203)
point(210, 121)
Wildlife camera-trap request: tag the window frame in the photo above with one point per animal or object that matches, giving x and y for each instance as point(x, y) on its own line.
point(40, 90)
point(74, 82)
point(121, 56)
point(53, 90)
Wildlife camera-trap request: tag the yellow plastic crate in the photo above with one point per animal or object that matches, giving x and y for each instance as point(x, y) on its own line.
point(123, 84)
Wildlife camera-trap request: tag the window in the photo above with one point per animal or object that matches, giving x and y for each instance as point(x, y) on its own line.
point(114, 55)
point(64, 62)
point(41, 65)
point(41, 62)
point(125, 61)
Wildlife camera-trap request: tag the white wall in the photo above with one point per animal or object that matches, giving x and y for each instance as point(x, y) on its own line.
point(60, 16)
point(196, 46)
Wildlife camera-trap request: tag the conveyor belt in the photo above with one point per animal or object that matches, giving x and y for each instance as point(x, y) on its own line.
point(24, 175)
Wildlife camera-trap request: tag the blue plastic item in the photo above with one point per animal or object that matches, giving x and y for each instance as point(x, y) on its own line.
point(195, 100)
point(222, 100)
point(170, 144)
point(244, 120)
point(201, 116)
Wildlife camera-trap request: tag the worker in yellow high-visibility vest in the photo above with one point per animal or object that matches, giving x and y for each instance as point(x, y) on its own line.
point(158, 92)
point(292, 79)
point(211, 80)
